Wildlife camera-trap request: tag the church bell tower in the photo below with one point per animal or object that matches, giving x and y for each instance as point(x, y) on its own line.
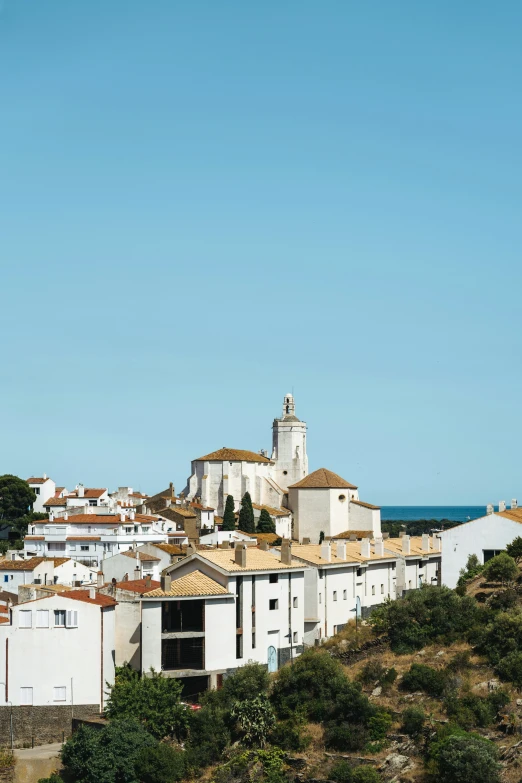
point(289, 446)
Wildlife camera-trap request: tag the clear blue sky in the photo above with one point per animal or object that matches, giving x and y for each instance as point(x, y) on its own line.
point(206, 204)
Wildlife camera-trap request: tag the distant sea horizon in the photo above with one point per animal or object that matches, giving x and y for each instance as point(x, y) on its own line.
point(411, 513)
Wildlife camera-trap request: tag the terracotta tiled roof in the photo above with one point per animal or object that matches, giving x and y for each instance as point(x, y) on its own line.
point(183, 512)
point(87, 493)
point(58, 561)
point(138, 585)
point(233, 455)
point(34, 538)
point(274, 512)
point(323, 478)
point(365, 505)
point(171, 549)
point(142, 555)
point(83, 595)
point(56, 502)
point(268, 537)
point(4, 620)
point(195, 583)
point(83, 538)
point(311, 553)
point(58, 490)
point(34, 480)
point(345, 535)
point(218, 520)
point(21, 565)
point(256, 560)
point(515, 514)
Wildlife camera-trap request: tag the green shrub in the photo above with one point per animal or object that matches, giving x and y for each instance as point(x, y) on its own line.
point(345, 736)
point(461, 759)
point(413, 720)
point(379, 725)
point(255, 719)
point(54, 777)
point(506, 599)
point(501, 568)
point(426, 615)
point(105, 755)
point(290, 734)
point(208, 736)
point(424, 678)
point(470, 711)
point(341, 772)
point(510, 668)
point(514, 549)
point(365, 774)
point(460, 662)
point(501, 636)
point(371, 672)
point(160, 764)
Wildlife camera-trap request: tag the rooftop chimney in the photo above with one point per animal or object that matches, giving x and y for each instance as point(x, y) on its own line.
point(65, 515)
point(365, 547)
point(122, 517)
point(92, 593)
point(148, 581)
point(166, 583)
point(501, 505)
point(379, 547)
point(306, 541)
point(132, 515)
point(45, 475)
point(286, 551)
point(224, 545)
point(99, 579)
point(240, 555)
point(326, 552)
point(341, 550)
point(437, 543)
point(80, 491)
point(264, 546)
point(425, 541)
point(489, 508)
point(514, 503)
point(352, 537)
point(51, 516)
point(405, 545)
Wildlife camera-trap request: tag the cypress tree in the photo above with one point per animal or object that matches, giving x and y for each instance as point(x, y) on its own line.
point(265, 523)
point(246, 515)
point(229, 520)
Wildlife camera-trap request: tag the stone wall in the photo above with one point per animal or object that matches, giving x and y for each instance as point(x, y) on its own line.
point(41, 725)
point(283, 654)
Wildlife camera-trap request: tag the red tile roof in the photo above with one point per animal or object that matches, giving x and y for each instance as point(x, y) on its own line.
point(142, 555)
point(90, 519)
point(233, 455)
point(83, 538)
point(84, 595)
point(34, 480)
point(138, 585)
point(321, 479)
point(87, 493)
point(56, 502)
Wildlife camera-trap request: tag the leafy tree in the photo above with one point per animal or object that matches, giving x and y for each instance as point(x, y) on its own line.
point(321, 536)
point(413, 720)
point(514, 549)
point(501, 568)
point(502, 635)
point(291, 734)
point(379, 725)
point(54, 777)
point(208, 736)
point(365, 774)
point(265, 523)
point(106, 755)
point(425, 615)
point(160, 764)
point(460, 759)
point(246, 515)
point(255, 717)
point(154, 700)
point(248, 681)
point(16, 499)
point(342, 772)
point(229, 519)
point(510, 668)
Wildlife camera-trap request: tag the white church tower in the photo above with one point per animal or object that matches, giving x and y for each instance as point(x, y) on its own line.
point(289, 446)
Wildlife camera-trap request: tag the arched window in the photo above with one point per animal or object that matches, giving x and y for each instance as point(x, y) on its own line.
point(288, 408)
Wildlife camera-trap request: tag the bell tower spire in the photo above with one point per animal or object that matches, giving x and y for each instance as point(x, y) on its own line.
point(289, 446)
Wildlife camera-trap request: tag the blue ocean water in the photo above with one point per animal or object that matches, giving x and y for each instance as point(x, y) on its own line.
point(411, 513)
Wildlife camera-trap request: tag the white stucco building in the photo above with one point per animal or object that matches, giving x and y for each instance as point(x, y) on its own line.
point(484, 537)
point(218, 609)
point(132, 564)
point(58, 651)
point(44, 488)
point(236, 471)
point(325, 502)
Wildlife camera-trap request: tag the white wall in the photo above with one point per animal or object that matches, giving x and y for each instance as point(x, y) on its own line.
point(362, 518)
point(43, 658)
point(47, 490)
point(489, 532)
point(150, 636)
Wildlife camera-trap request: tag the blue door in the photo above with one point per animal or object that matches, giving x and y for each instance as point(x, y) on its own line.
point(272, 659)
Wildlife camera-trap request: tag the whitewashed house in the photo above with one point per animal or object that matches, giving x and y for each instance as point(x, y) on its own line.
point(79, 498)
point(91, 536)
point(128, 618)
point(418, 561)
point(44, 488)
point(131, 564)
point(58, 652)
point(281, 517)
point(325, 502)
point(484, 537)
point(218, 609)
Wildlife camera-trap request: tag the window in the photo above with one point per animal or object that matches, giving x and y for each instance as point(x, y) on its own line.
point(72, 618)
point(59, 618)
point(84, 548)
point(409, 585)
point(128, 530)
point(382, 589)
point(36, 490)
point(359, 572)
point(273, 603)
point(342, 498)
point(239, 645)
point(273, 579)
point(55, 546)
point(145, 529)
point(489, 553)
point(92, 502)
point(335, 595)
point(295, 602)
point(373, 589)
point(25, 618)
point(6, 578)
point(60, 693)
point(26, 696)
point(345, 595)
point(320, 598)
point(253, 640)
point(42, 618)
point(72, 547)
point(285, 473)
point(295, 637)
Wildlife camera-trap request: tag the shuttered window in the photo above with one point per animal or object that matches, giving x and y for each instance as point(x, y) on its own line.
point(25, 618)
point(72, 618)
point(42, 618)
point(60, 693)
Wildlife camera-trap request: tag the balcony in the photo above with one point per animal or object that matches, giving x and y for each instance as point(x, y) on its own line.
point(183, 617)
point(183, 654)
